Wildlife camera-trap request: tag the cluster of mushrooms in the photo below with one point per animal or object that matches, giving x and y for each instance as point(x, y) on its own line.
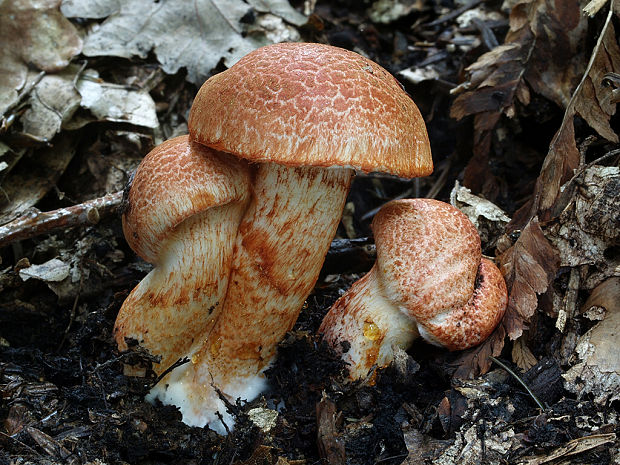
point(238, 216)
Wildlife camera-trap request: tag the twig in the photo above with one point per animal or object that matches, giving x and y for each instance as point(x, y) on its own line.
point(515, 376)
point(73, 310)
point(454, 13)
point(21, 443)
point(178, 363)
point(33, 224)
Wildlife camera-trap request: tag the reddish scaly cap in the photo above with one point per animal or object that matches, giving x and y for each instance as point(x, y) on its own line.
point(469, 325)
point(174, 181)
point(312, 104)
point(428, 253)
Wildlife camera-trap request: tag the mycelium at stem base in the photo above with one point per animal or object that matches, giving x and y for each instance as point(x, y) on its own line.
point(280, 247)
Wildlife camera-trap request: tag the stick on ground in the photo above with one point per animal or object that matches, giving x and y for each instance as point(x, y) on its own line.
point(36, 223)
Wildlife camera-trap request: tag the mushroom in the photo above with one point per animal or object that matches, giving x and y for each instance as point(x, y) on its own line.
point(182, 213)
point(429, 280)
point(307, 115)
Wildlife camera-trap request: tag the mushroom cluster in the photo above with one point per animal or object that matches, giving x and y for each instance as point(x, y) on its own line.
point(295, 120)
point(429, 280)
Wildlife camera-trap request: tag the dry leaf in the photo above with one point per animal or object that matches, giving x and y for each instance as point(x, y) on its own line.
point(542, 50)
point(522, 356)
point(52, 102)
point(598, 372)
point(591, 100)
point(195, 35)
point(53, 270)
point(387, 11)
point(281, 8)
point(32, 34)
point(528, 266)
point(113, 102)
point(92, 9)
point(475, 441)
point(576, 446)
point(329, 440)
point(590, 225)
point(476, 361)
point(31, 180)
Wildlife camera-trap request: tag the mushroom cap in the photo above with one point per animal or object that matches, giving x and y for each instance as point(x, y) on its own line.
point(428, 254)
point(469, 325)
point(174, 181)
point(308, 104)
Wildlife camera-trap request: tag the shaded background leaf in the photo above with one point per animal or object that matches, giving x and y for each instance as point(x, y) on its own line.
point(32, 33)
point(194, 35)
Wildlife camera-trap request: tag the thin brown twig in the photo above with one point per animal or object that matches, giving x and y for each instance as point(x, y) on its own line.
point(36, 223)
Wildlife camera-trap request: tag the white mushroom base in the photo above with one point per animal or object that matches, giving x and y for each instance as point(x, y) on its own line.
point(205, 407)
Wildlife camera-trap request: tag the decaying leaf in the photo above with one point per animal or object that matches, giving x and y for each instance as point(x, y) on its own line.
point(521, 355)
point(386, 11)
point(488, 218)
point(195, 35)
point(281, 8)
point(528, 266)
point(33, 34)
point(590, 224)
point(93, 9)
point(31, 180)
point(591, 100)
point(476, 361)
point(574, 447)
point(472, 442)
point(52, 102)
point(113, 102)
point(422, 447)
point(475, 207)
point(53, 270)
point(331, 445)
point(598, 371)
point(541, 52)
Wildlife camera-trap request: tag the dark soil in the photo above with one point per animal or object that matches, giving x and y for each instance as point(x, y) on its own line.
point(67, 395)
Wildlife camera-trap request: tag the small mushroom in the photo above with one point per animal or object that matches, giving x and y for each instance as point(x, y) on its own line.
point(429, 280)
point(183, 209)
point(307, 115)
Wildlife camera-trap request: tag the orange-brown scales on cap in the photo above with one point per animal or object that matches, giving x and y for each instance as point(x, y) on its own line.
point(303, 104)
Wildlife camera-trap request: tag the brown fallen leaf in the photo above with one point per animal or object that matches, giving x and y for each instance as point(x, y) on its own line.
point(52, 447)
point(330, 444)
point(27, 185)
point(33, 33)
point(528, 267)
point(541, 52)
point(521, 355)
point(592, 101)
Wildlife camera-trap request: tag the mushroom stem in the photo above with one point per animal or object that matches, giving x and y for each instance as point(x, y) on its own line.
point(280, 247)
point(175, 302)
point(370, 323)
point(373, 324)
point(182, 212)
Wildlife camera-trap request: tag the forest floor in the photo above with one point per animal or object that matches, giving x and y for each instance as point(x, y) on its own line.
point(519, 98)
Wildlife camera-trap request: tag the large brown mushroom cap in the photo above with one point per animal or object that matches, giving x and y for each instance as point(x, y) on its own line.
point(314, 105)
